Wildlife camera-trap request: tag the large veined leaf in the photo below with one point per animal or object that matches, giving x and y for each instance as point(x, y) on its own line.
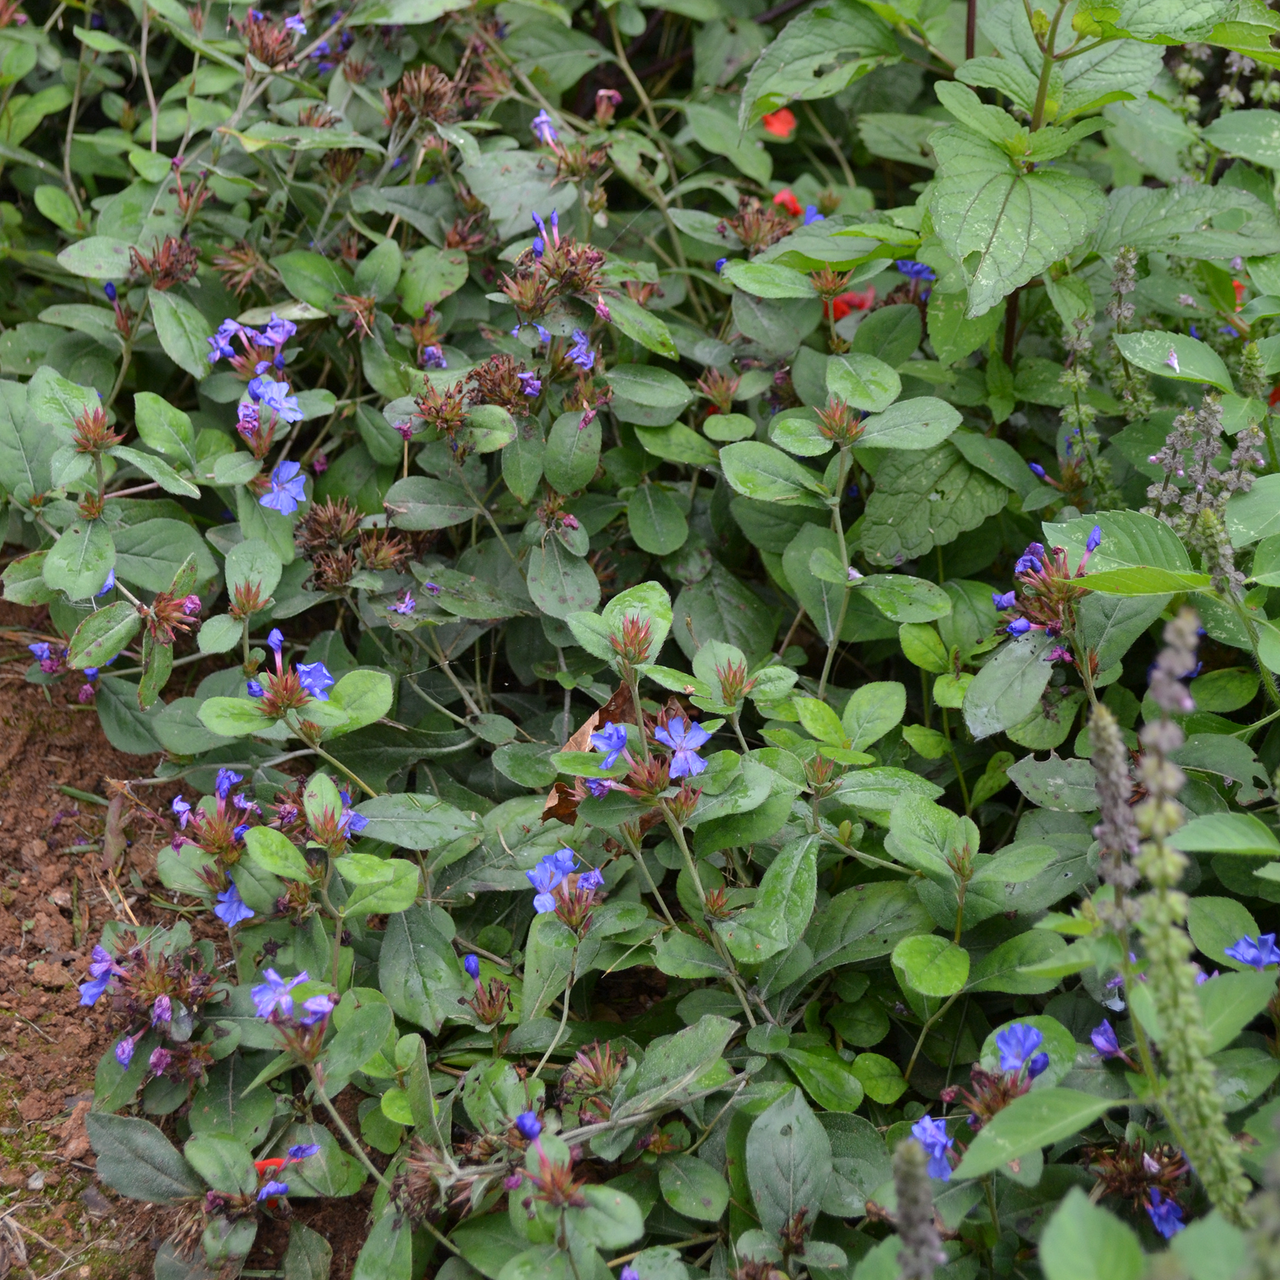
point(817, 55)
point(1001, 225)
point(1174, 220)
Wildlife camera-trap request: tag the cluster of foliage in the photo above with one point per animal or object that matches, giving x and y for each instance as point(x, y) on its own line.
point(634, 595)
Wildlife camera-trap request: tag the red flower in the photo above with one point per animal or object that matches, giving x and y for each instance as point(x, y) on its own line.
point(786, 198)
point(1238, 286)
point(843, 303)
point(1274, 398)
point(782, 124)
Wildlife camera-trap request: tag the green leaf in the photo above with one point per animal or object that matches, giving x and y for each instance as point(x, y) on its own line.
point(782, 908)
point(825, 1077)
point(925, 499)
point(717, 131)
point(1218, 923)
point(379, 272)
point(98, 258)
point(1255, 514)
point(905, 599)
point(720, 607)
point(863, 381)
point(183, 332)
point(309, 1255)
point(795, 65)
point(655, 520)
point(561, 583)
point(1238, 833)
point(641, 326)
point(1065, 785)
point(1082, 1241)
point(104, 634)
point(767, 279)
point(819, 720)
point(1145, 580)
point(156, 469)
point(647, 396)
point(80, 560)
point(872, 711)
point(1174, 355)
point(1231, 1001)
point(789, 1165)
point(572, 453)
point(361, 1036)
point(930, 965)
point(1003, 226)
point(420, 504)
point(313, 278)
point(1252, 135)
point(138, 1161)
point(1035, 1120)
point(693, 1188)
point(430, 276)
point(275, 853)
point(921, 423)
point(757, 470)
point(150, 554)
point(163, 428)
point(999, 969)
point(1007, 690)
point(418, 970)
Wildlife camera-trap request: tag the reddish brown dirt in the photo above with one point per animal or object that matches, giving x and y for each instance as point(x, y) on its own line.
point(55, 898)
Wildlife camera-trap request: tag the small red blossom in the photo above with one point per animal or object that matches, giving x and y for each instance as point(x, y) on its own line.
point(1274, 398)
point(1238, 286)
point(844, 303)
point(782, 124)
point(787, 199)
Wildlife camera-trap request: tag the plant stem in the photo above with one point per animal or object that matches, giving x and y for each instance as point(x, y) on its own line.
point(924, 1031)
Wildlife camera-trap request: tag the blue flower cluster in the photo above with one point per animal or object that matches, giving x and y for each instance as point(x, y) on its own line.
point(550, 873)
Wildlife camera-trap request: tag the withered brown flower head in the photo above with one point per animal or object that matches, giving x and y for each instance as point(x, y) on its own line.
point(240, 267)
point(268, 41)
point(425, 93)
point(756, 225)
point(327, 525)
point(174, 262)
point(341, 164)
point(497, 381)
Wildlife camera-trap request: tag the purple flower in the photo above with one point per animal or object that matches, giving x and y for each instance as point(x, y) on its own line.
point(316, 1009)
point(41, 651)
point(611, 739)
point(562, 860)
point(1027, 564)
point(539, 246)
point(125, 1048)
point(101, 966)
point(288, 489)
point(278, 331)
point(684, 737)
point(274, 994)
point(351, 822)
point(543, 129)
point(405, 605)
point(254, 689)
point(1018, 627)
point(303, 1150)
point(598, 787)
point(628, 1273)
point(932, 1136)
point(1036, 470)
point(1104, 1040)
point(1259, 954)
point(295, 23)
point(270, 1190)
point(162, 1010)
point(1165, 1215)
point(544, 878)
point(220, 343)
point(720, 264)
point(472, 965)
point(106, 586)
point(591, 880)
point(1006, 601)
point(915, 270)
point(431, 589)
point(433, 357)
point(231, 909)
point(528, 1125)
point(109, 289)
point(1229, 331)
point(811, 215)
point(580, 353)
point(1172, 360)
point(315, 679)
point(1094, 540)
point(275, 395)
point(226, 779)
point(1017, 1044)
point(530, 383)
point(160, 1061)
point(275, 640)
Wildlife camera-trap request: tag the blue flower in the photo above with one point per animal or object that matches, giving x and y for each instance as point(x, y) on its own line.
point(543, 129)
point(1027, 564)
point(544, 878)
point(227, 778)
point(915, 270)
point(125, 1048)
point(255, 690)
point(611, 739)
point(274, 994)
point(275, 395)
point(580, 353)
point(303, 1150)
point(1094, 540)
point(684, 737)
point(530, 383)
point(628, 1273)
point(598, 787)
point(720, 264)
point(591, 880)
point(270, 1190)
point(1259, 954)
point(275, 641)
point(1229, 331)
point(932, 1136)
point(106, 586)
point(539, 246)
point(1165, 1215)
point(181, 810)
point(472, 965)
point(162, 1010)
point(316, 1009)
point(811, 215)
point(562, 860)
point(433, 357)
point(1104, 1040)
point(220, 343)
point(1036, 470)
point(1006, 601)
point(41, 650)
point(231, 909)
point(405, 605)
point(101, 967)
point(528, 1125)
point(1018, 627)
point(294, 22)
point(288, 489)
point(109, 289)
point(315, 679)
point(1017, 1044)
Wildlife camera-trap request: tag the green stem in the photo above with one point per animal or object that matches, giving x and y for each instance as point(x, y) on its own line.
point(337, 764)
point(564, 1017)
point(924, 1031)
point(1046, 68)
point(838, 527)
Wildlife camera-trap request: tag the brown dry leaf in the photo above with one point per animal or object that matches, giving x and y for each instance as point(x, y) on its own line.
point(562, 801)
